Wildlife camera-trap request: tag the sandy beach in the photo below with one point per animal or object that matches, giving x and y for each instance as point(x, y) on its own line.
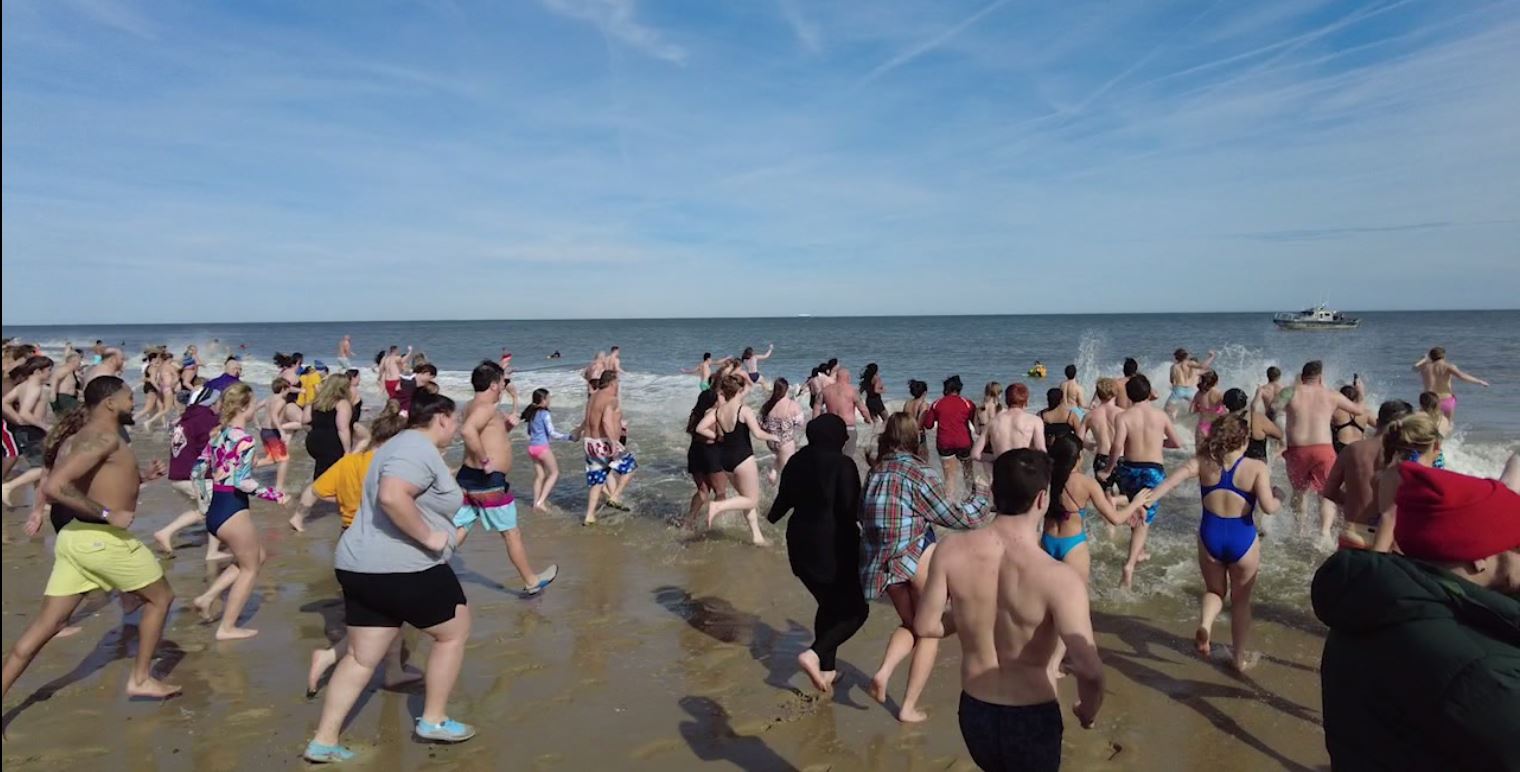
point(655, 649)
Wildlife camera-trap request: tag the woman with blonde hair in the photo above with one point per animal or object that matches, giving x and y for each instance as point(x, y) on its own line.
point(329, 419)
point(1413, 439)
point(228, 463)
point(1231, 487)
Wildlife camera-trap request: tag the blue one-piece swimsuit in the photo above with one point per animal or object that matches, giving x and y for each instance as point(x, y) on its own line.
point(1227, 539)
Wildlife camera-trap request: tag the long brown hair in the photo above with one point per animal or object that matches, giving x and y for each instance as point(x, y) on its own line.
point(900, 435)
point(388, 424)
point(1230, 433)
point(778, 393)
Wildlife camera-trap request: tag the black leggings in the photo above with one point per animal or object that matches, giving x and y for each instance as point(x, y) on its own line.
point(1004, 738)
point(842, 611)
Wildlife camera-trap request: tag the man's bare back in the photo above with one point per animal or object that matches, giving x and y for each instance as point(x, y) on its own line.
point(1310, 411)
point(482, 417)
point(842, 399)
point(1100, 423)
point(1140, 434)
point(1352, 480)
point(1010, 430)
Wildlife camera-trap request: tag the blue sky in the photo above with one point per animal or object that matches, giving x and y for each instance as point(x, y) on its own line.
point(186, 161)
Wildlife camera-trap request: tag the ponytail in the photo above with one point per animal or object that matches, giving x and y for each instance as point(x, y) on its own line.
point(1065, 453)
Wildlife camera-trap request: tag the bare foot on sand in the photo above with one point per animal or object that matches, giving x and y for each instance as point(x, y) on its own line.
point(151, 688)
point(878, 688)
point(296, 524)
point(761, 542)
point(712, 513)
point(1201, 642)
point(163, 543)
point(1144, 556)
point(234, 633)
point(407, 675)
point(1245, 661)
point(1127, 579)
point(911, 715)
point(321, 660)
point(202, 608)
point(808, 661)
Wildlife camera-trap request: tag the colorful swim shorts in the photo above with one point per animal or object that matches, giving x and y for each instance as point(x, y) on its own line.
point(1136, 476)
point(487, 498)
point(603, 458)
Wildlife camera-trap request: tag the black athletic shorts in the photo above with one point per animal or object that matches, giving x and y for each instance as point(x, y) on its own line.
point(423, 599)
point(960, 453)
point(1004, 738)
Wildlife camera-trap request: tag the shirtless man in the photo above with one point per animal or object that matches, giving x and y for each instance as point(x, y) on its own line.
point(1100, 424)
point(615, 360)
point(593, 372)
point(703, 370)
point(94, 487)
point(1012, 429)
point(841, 398)
point(1071, 392)
point(390, 370)
point(1437, 371)
point(26, 415)
point(1140, 434)
point(66, 383)
point(345, 352)
point(1121, 394)
point(483, 474)
point(1185, 373)
point(821, 380)
point(600, 434)
point(1352, 480)
point(1016, 609)
point(1309, 453)
point(1267, 394)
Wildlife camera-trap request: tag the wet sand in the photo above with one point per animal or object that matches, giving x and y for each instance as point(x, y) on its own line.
point(655, 649)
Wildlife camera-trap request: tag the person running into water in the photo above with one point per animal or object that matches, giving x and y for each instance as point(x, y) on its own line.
point(541, 432)
point(1071, 494)
point(1016, 611)
point(94, 488)
point(65, 384)
point(953, 415)
point(782, 417)
point(1099, 425)
point(1013, 428)
point(903, 498)
point(749, 362)
point(704, 459)
point(732, 424)
point(1267, 394)
point(1059, 417)
point(26, 416)
point(1185, 374)
point(1140, 434)
point(345, 352)
point(601, 434)
point(1415, 440)
point(275, 428)
point(703, 370)
point(191, 435)
point(822, 378)
point(1073, 394)
point(821, 488)
point(872, 387)
point(1436, 371)
point(918, 402)
point(992, 396)
point(1351, 480)
point(483, 474)
point(1262, 427)
point(1231, 488)
point(1130, 369)
point(842, 399)
point(393, 567)
point(1310, 454)
point(329, 425)
point(227, 463)
point(1208, 404)
point(1346, 428)
point(1430, 402)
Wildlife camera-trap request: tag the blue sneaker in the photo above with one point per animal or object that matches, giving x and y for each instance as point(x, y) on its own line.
point(545, 577)
point(445, 731)
point(317, 753)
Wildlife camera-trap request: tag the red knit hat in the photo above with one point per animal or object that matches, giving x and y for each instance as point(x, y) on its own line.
point(1452, 517)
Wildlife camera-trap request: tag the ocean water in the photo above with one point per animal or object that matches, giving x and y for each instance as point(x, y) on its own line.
point(657, 396)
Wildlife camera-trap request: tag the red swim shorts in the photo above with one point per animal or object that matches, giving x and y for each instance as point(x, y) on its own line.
point(1309, 466)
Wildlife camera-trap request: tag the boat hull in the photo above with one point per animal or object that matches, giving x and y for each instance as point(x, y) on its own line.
point(1298, 326)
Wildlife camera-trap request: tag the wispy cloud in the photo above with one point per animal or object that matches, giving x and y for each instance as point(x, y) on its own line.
point(807, 32)
point(616, 19)
point(915, 51)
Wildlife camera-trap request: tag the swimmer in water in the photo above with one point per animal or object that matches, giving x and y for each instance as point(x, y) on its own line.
point(1185, 374)
point(1437, 372)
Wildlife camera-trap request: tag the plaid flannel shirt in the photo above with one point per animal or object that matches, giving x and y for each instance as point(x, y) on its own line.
point(903, 497)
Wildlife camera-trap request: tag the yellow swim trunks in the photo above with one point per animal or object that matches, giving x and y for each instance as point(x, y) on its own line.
point(96, 556)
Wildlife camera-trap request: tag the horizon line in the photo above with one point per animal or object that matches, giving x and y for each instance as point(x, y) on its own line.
point(7, 325)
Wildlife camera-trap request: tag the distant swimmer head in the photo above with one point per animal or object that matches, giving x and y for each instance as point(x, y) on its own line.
point(1235, 400)
point(1130, 367)
point(1137, 388)
point(1208, 380)
point(1106, 389)
point(1391, 411)
point(1180, 354)
point(1053, 398)
point(1071, 371)
point(1312, 369)
point(1437, 354)
point(827, 432)
point(1017, 395)
point(1021, 483)
point(953, 385)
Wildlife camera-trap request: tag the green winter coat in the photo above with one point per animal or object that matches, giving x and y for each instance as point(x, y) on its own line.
point(1421, 669)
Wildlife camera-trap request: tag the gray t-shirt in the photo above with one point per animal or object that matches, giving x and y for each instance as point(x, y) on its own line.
point(373, 544)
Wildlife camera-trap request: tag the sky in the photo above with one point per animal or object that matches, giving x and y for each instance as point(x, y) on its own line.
point(285, 161)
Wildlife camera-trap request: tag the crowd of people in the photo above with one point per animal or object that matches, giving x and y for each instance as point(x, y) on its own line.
point(990, 543)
